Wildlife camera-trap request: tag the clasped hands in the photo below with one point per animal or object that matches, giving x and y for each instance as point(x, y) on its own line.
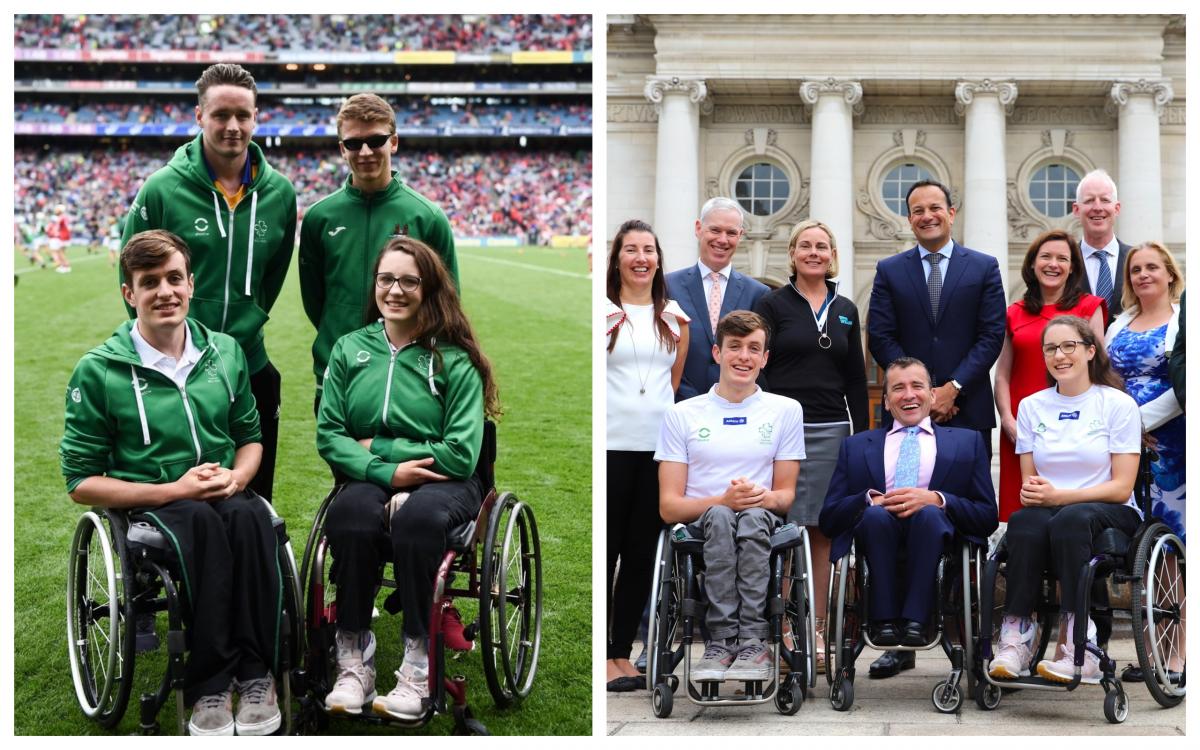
point(1037, 492)
point(742, 494)
point(410, 473)
point(943, 408)
point(904, 501)
point(208, 482)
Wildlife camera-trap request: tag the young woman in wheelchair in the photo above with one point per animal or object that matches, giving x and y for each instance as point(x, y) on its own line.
point(1079, 443)
point(401, 422)
point(161, 423)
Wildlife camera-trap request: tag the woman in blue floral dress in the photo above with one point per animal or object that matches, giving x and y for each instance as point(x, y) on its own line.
point(1139, 342)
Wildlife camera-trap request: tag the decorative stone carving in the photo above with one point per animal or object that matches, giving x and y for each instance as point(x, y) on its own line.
point(966, 91)
point(1020, 220)
point(1162, 92)
point(918, 139)
point(632, 113)
point(850, 91)
point(768, 114)
point(906, 114)
point(881, 225)
point(659, 86)
point(1060, 137)
point(1175, 114)
point(799, 213)
point(1041, 114)
point(772, 138)
point(712, 188)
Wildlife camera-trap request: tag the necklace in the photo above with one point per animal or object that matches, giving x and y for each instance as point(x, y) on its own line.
point(636, 362)
point(821, 317)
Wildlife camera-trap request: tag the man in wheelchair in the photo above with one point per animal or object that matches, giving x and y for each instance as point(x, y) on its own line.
point(908, 488)
point(161, 423)
point(728, 465)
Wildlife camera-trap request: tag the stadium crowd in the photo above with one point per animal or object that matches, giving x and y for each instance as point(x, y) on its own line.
point(529, 194)
point(338, 32)
point(411, 112)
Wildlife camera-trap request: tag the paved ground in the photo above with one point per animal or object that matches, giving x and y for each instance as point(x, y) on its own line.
point(901, 706)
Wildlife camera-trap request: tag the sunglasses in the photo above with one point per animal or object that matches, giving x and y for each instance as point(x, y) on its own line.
point(375, 142)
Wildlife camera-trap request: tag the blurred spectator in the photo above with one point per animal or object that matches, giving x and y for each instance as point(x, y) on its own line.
point(340, 33)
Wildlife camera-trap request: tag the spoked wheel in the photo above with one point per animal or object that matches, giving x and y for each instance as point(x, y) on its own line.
point(100, 623)
point(510, 604)
point(664, 618)
point(1158, 612)
point(799, 633)
point(320, 622)
point(843, 617)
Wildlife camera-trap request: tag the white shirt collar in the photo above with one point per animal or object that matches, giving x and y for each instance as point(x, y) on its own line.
point(1112, 248)
point(155, 359)
point(705, 271)
point(946, 249)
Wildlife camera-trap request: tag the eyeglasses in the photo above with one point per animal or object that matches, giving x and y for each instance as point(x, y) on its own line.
point(1068, 347)
point(376, 142)
point(408, 284)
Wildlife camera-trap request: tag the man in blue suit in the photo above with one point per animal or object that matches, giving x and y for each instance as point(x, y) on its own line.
point(943, 304)
point(909, 486)
point(710, 289)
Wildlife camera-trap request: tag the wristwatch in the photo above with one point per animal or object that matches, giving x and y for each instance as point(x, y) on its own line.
point(957, 385)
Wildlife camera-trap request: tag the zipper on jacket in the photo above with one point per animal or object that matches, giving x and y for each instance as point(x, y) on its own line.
point(387, 391)
point(228, 270)
point(187, 408)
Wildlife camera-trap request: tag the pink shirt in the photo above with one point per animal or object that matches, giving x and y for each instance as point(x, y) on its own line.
point(891, 453)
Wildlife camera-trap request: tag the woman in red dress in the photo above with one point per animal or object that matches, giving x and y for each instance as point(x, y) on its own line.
point(1055, 280)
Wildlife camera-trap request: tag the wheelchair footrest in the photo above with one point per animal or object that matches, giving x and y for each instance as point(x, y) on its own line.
point(785, 537)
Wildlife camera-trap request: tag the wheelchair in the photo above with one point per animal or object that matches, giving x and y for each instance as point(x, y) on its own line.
point(955, 619)
point(1143, 574)
point(676, 607)
point(498, 554)
point(119, 573)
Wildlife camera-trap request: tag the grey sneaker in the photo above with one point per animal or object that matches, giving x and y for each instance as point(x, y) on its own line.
point(711, 667)
point(753, 662)
point(212, 716)
point(407, 699)
point(258, 707)
point(355, 686)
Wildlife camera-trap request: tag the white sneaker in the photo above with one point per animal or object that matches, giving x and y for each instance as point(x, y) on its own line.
point(258, 707)
point(355, 686)
point(212, 716)
point(407, 699)
point(62, 269)
point(1015, 649)
point(1062, 669)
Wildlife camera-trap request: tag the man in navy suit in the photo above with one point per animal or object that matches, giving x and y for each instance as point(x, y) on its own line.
point(912, 485)
point(710, 290)
point(1096, 207)
point(959, 340)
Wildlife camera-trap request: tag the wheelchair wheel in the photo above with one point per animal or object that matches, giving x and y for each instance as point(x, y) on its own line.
point(1116, 706)
point(799, 621)
point(1158, 618)
point(510, 604)
point(789, 697)
point(100, 629)
point(841, 694)
point(843, 618)
point(319, 623)
point(987, 696)
point(664, 613)
point(662, 700)
point(946, 697)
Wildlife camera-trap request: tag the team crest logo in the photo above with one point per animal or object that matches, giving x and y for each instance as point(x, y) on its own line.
point(210, 370)
point(145, 214)
point(1095, 427)
point(200, 224)
point(75, 395)
point(424, 361)
point(765, 431)
point(1041, 427)
point(363, 357)
point(260, 230)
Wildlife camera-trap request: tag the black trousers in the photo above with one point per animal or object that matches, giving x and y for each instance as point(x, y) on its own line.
point(633, 526)
point(361, 545)
point(226, 560)
point(1058, 540)
point(265, 385)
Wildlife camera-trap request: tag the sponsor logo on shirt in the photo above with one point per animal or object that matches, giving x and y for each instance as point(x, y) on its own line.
point(200, 225)
point(362, 357)
point(844, 320)
point(1062, 415)
point(1041, 427)
point(335, 232)
point(734, 420)
point(703, 434)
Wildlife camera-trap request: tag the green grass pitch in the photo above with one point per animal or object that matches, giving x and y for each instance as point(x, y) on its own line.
point(530, 308)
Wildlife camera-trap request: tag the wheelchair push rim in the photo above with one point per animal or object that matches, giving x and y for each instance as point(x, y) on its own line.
point(99, 622)
point(1158, 611)
point(511, 600)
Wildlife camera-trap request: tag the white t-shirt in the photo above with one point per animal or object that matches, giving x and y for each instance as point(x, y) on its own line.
point(638, 357)
point(1072, 438)
point(721, 441)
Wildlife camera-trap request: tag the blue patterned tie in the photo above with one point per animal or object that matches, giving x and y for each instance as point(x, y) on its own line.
point(1104, 285)
point(908, 465)
point(935, 282)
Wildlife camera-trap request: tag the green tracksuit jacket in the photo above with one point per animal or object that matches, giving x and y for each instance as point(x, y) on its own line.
point(240, 257)
point(340, 238)
point(154, 431)
point(412, 405)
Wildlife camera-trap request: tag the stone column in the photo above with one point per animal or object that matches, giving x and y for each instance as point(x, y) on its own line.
point(1139, 105)
point(833, 104)
point(677, 168)
point(985, 105)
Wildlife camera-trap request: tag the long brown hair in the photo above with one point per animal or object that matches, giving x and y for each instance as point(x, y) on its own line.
point(1100, 370)
point(440, 318)
point(658, 285)
point(1073, 287)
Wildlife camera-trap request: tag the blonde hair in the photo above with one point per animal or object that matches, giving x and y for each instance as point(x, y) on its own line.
point(804, 226)
point(1129, 299)
point(367, 108)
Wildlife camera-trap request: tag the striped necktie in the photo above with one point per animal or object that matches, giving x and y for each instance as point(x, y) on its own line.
point(1104, 284)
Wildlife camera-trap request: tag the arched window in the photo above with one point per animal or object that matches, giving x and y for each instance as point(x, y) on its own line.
point(1052, 189)
point(762, 189)
point(897, 182)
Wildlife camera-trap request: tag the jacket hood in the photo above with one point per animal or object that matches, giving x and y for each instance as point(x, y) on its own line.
point(188, 161)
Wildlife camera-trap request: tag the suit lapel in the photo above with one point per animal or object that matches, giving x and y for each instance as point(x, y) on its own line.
point(957, 267)
point(916, 274)
point(695, 290)
point(944, 460)
point(1119, 273)
point(874, 457)
point(732, 294)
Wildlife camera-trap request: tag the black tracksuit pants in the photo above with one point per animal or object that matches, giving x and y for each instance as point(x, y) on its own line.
point(230, 577)
point(361, 544)
point(633, 527)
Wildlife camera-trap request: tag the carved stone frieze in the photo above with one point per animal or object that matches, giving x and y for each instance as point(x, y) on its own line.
point(879, 225)
point(909, 114)
point(850, 91)
point(1042, 114)
point(898, 138)
point(966, 91)
point(760, 114)
point(1175, 114)
point(632, 113)
point(772, 137)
